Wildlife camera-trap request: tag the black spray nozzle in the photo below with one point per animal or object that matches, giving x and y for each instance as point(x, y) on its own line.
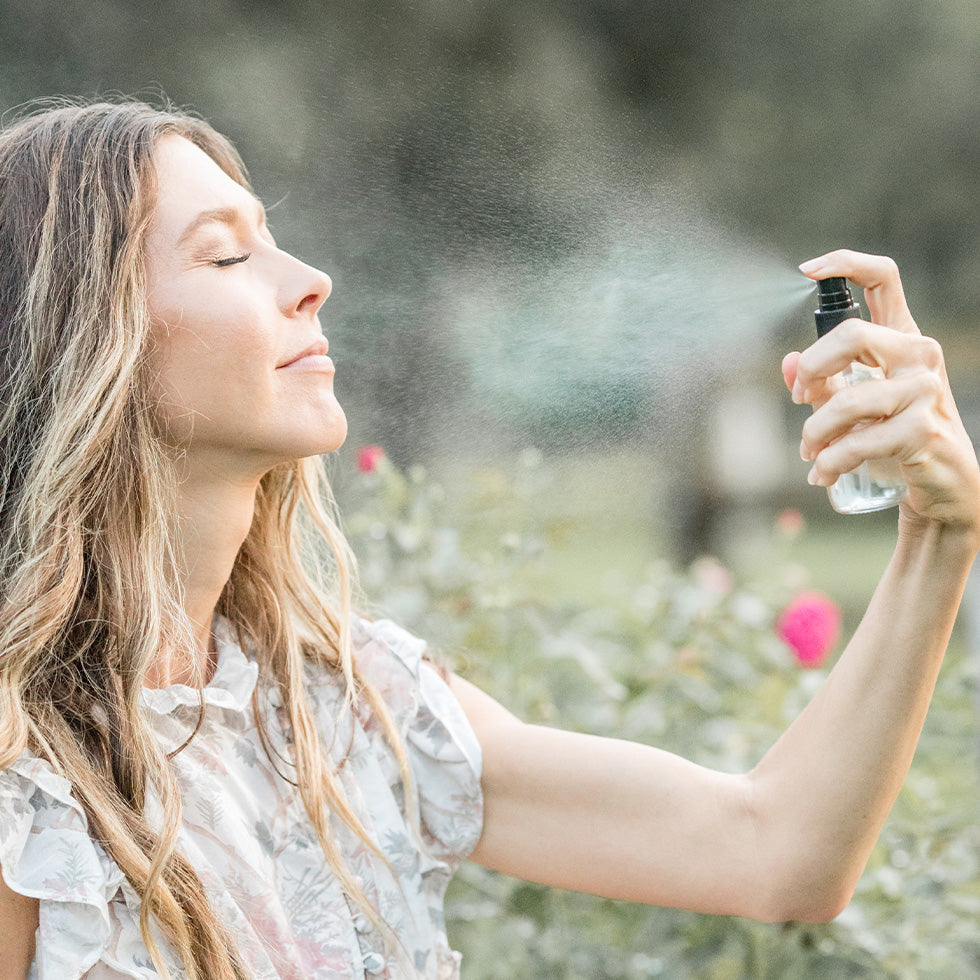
point(834, 294)
point(835, 304)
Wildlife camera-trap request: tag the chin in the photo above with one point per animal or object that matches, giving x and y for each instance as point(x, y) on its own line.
point(333, 436)
point(335, 444)
point(314, 434)
point(339, 433)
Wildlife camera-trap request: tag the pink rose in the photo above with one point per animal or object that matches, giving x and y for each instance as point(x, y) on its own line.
point(710, 573)
point(790, 522)
point(368, 458)
point(810, 624)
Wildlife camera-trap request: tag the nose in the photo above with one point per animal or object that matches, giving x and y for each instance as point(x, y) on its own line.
point(305, 289)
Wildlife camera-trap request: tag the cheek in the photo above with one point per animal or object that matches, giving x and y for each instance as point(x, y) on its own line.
point(205, 372)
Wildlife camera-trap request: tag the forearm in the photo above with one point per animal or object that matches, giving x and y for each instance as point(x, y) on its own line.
point(787, 841)
point(822, 793)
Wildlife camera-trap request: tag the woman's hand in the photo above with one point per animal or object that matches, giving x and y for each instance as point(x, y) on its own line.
point(910, 415)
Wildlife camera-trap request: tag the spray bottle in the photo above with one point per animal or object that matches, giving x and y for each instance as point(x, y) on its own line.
point(875, 484)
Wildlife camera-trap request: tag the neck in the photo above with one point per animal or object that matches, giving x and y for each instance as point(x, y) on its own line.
point(216, 513)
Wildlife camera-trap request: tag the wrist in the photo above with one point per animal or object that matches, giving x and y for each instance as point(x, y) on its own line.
point(957, 542)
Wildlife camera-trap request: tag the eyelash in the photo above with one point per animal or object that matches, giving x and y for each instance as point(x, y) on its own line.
point(233, 260)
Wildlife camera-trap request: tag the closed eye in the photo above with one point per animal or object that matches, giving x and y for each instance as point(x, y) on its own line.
point(231, 260)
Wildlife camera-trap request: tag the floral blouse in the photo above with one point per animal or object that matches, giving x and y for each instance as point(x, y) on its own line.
point(246, 832)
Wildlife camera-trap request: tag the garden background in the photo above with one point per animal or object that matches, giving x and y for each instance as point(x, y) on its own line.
point(563, 236)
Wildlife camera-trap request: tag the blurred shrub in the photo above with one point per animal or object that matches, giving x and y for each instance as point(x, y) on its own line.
point(689, 661)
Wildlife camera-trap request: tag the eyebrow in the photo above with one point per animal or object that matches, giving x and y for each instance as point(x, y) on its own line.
point(225, 215)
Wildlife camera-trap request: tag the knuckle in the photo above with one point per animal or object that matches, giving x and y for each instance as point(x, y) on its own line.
point(853, 332)
point(889, 267)
point(886, 271)
point(927, 429)
point(849, 401)
point(929, 388)
point(856, 444)
point(930, 353)
point(935, 386)
point(841, 457)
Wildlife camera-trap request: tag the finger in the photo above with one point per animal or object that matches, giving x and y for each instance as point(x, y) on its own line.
point(868, 403)
point(877, 275)
point(867, 343)
point(937, 462)
point(885, 439)
point(789, 368)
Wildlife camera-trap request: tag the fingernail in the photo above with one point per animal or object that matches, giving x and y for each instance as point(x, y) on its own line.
point(811, 477)
point(808, 268)
point(805, 453)
point(797, 394)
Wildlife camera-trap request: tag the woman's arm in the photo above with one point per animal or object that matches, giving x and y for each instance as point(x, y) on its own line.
point(18, 923)
point(790, 839)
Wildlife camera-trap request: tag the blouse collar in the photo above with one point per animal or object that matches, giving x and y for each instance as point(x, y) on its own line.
point(230, 687)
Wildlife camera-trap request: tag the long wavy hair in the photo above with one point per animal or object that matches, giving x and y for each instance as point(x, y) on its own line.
point(89, 594)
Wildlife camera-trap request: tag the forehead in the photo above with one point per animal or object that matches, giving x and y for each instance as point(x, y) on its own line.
point(189, 182)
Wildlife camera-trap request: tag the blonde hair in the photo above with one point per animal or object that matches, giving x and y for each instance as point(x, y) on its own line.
point(89, 597)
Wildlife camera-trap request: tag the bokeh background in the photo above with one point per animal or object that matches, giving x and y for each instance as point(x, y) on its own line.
point(443, 152)
point(534, 211)
point(574, 224)
point(570, 228)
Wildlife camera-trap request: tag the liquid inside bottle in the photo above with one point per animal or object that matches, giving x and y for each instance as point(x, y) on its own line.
point(874, 485)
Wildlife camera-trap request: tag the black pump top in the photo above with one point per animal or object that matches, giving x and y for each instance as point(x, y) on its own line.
point(835, 304)
point(834, 294)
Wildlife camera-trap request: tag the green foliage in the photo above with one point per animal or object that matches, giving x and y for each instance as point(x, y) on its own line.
point(687, 661)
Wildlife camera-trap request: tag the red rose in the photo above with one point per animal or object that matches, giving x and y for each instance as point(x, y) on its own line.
point(368, 458)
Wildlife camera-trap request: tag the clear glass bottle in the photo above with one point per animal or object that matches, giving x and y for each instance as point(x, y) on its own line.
point(876, 484)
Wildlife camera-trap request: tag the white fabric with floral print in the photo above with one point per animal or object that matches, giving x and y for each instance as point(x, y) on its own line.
point(246, 832)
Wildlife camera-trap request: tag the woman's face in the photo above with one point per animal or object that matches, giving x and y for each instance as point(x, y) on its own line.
point(242, 377)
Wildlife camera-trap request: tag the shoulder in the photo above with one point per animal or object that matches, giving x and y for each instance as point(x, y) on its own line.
point(47, 858)
point(389, 658)
point(443, 751)
point(394, 662)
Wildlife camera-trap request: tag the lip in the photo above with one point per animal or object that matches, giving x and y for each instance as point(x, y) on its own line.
point(312, 358)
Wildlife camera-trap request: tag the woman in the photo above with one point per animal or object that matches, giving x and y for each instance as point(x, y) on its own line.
point(208, 767)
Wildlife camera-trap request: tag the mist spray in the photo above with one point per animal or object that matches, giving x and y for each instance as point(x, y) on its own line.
point(875, 484)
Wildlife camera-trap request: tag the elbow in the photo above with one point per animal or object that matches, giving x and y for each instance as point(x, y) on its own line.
point(831, 904)
point(812, 911)
point(793, 874)
point(804, 901)
point(826, 915)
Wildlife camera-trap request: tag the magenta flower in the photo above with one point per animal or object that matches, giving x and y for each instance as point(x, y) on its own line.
point(368, 458)
point(810, 624)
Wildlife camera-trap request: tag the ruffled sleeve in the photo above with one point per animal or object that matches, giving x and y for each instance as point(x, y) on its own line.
point(46, 853)
point(443, 751)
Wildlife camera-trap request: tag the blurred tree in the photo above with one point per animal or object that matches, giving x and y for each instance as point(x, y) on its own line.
point(408, 146)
